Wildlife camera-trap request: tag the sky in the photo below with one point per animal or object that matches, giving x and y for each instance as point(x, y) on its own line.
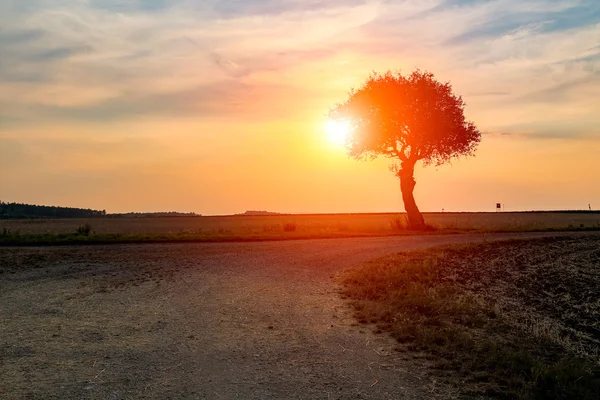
point(218, 107)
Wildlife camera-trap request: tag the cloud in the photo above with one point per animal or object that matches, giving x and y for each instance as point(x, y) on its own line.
point(127, 6)
point(497, 18)
point(514, 61)
point(19, 36)
point(58, 53)
point(487, 94)
point(566, 92)
point(229, 67)
point(228, 99)
point(566, 129)
point(237, 8)
point(95, 63)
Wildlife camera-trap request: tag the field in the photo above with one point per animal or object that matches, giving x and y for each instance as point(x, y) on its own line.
point(516, 319)
point(301, 226)
point(361, 317)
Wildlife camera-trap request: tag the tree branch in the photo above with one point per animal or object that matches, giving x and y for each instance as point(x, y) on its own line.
point(416, 154)
point(400, 153)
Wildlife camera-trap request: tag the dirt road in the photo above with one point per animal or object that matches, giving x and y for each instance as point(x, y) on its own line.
point(199, 321)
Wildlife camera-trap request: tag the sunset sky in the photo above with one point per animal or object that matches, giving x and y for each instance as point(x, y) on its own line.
point(219, 107)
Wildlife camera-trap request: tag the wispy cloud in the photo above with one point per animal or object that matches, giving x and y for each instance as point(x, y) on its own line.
point(229, 99)
point(515, 61)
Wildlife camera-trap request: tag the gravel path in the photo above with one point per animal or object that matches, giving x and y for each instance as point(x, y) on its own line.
point(200, 321)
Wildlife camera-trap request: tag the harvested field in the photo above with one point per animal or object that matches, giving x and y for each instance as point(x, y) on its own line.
point(306, 225)
point(514, 319)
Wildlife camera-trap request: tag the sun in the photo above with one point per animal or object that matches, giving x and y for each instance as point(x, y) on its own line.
point(338, 132)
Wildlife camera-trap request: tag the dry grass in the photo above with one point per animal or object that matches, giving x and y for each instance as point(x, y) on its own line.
point(306, 225)
point(510, 320)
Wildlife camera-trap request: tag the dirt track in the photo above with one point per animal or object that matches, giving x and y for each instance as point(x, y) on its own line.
point(235, 320)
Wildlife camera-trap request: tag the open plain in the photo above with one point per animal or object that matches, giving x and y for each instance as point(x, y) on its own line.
point(203, 320)
point(308, 225)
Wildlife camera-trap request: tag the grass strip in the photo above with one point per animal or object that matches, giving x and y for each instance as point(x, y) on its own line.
point(47, 239)
point(50, 239)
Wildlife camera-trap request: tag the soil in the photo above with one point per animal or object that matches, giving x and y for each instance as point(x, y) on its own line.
point(549, 286)
point(201, 321)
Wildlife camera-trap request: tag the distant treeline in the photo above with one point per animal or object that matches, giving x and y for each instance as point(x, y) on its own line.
point(18, 210)
point(153, 214)
point(260, 213)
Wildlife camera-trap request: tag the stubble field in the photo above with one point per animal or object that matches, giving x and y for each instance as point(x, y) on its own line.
point(515, 319)
point(299, 226)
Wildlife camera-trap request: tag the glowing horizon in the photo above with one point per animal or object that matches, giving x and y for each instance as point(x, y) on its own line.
point(163, 105)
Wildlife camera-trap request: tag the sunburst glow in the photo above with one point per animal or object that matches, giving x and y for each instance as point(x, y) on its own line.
point(338, 132)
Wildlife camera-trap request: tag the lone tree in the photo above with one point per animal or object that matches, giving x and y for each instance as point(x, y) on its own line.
point(410, 118)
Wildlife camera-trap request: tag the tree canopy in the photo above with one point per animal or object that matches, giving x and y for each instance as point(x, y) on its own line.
point(412, 118)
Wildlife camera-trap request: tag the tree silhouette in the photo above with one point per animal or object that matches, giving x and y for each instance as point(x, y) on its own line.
point(410, 118)
point(19, 210)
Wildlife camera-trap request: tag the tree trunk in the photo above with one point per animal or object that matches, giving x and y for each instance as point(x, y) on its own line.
point(407, 185)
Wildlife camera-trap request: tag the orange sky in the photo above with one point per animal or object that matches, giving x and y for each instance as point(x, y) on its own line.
point(175, 106)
